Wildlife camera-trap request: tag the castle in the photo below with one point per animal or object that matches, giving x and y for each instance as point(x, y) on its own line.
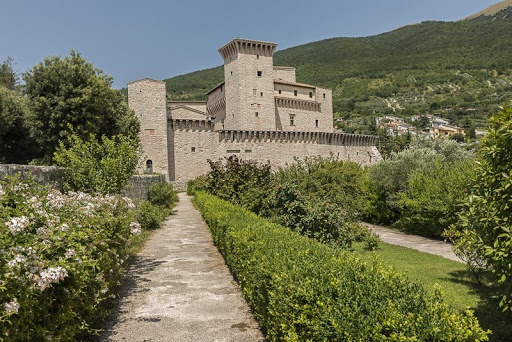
point(259, 113)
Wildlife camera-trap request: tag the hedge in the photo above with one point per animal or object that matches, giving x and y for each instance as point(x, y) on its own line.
point(300, 289)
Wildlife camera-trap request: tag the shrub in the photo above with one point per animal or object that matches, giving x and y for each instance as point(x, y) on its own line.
point(483, 234)
point(97, 166)
point(149, 215)
point(340, 183)
point(60, 257)
point(433, 196)
point(198, 184)
point(389, 179)
point(300, 289)
point(162, 194)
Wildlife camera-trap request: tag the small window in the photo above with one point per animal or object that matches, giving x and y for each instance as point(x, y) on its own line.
point(259, 73)
point(221, 89)
point(316, 123)
point(231, 73)
point(279, 91)
point(257, 56)
point(292, 121)
point(295, 92)
point(261, 94)
point(192, 149)
point(248, 151)
point(149, 166)
point(310, 94)
point(324, 95)
point(254, 92)
point(256, 114)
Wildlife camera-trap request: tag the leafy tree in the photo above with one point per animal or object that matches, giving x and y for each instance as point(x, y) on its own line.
point(483, 235)
point(103, 166)
point(71, 92)
point(14, 140)
point(8, 77)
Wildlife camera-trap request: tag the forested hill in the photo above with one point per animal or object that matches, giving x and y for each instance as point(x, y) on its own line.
point(458, 69)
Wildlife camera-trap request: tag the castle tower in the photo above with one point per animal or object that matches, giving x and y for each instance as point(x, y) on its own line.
point(249, 85)
point(147, 98)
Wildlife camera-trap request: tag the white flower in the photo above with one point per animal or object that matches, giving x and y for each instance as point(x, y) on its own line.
point(135, 228)
point(64, 228)
point(70, 253)
point(50, 276)
point(1, 190)
point(18, 259)
point(12, 307)
point(55, 200)
point(17, 224)
point(129, 203)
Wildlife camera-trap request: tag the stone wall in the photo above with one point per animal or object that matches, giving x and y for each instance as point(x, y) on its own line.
point(138, 188)
point(47, 175)
point(195, 144)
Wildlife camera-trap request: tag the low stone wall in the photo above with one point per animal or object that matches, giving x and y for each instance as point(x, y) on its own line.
point(138, 187)
point(48, 175)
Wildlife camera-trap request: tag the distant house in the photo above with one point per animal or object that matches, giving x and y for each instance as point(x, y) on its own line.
point(445, 131)
point(438, 128)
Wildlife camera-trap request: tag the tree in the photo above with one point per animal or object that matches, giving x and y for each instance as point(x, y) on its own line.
point(70, 92)
point(8, 77)
point(483, 235)
point(14, 139)
point(98, 166)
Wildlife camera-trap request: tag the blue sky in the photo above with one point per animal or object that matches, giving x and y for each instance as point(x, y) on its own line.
point(160, 39)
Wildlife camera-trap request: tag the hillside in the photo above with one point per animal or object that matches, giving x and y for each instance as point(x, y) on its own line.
point(492, 10)
point(460, 70)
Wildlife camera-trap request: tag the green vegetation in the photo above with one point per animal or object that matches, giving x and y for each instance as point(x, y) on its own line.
point(483, 233)
point(317, 197)
point(460, 288)
point(459, 70)
point(419, 188)
point(97, 166)
point(300, 289)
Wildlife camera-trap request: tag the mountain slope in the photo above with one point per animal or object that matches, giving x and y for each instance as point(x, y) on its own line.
point(492, 10)
point(461, 70)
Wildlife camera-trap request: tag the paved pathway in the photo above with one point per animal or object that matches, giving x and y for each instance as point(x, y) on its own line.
point(179, 289)
point(418, 243)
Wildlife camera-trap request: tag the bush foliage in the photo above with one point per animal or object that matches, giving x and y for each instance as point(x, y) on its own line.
point(97, 166)
point(300, 289)
point(483, 234)
point(60, 257)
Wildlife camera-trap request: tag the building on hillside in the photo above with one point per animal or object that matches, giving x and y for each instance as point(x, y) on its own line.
point(259, 113)
point(438, 127)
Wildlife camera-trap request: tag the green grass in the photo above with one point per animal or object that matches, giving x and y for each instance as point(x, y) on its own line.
point(460, 288)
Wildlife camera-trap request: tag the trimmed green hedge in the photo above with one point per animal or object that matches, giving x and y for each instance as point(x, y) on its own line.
point(300, 289)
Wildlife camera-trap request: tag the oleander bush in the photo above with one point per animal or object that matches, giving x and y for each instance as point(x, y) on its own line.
point(60, 257)
point(197, 184)
point(300, 289)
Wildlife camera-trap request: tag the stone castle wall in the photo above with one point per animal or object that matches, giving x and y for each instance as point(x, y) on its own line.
point(195, 143)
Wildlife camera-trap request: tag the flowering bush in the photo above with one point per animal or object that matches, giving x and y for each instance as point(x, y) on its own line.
point(60, 256)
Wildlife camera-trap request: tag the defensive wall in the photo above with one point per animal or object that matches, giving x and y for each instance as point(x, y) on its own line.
point(193, 142)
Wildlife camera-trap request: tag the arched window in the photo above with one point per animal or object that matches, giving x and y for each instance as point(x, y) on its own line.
point(149, 166)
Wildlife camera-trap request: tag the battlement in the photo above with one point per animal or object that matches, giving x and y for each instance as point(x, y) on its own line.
point(247, 46)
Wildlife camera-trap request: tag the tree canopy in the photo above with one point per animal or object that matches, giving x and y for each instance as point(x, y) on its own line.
point(70, 92)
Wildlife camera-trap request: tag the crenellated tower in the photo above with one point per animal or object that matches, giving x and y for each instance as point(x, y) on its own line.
point(249, 85)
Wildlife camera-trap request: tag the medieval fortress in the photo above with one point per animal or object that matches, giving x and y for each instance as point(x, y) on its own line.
point(259, 113)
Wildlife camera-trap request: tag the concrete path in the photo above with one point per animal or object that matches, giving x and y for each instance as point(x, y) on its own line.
point(179, 289)
point(418, 243)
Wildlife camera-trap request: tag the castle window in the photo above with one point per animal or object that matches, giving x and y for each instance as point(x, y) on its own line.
point(149, 166)
point(256, 114)
point(316, 123)
point(310, 94)
point(231, 73)
point(279, 91)
point(261, 94)
point(254, 92)
point(295, 92)
point(259, 73)
point(324, 95)
point(192, 149)
point(257, 56)
point(292, 120)
point(221, 89)
point(248, 151)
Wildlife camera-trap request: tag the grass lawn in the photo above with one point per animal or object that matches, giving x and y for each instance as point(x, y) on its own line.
point(460, 288)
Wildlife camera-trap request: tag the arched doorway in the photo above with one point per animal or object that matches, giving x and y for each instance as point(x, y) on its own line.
point(149, 166)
